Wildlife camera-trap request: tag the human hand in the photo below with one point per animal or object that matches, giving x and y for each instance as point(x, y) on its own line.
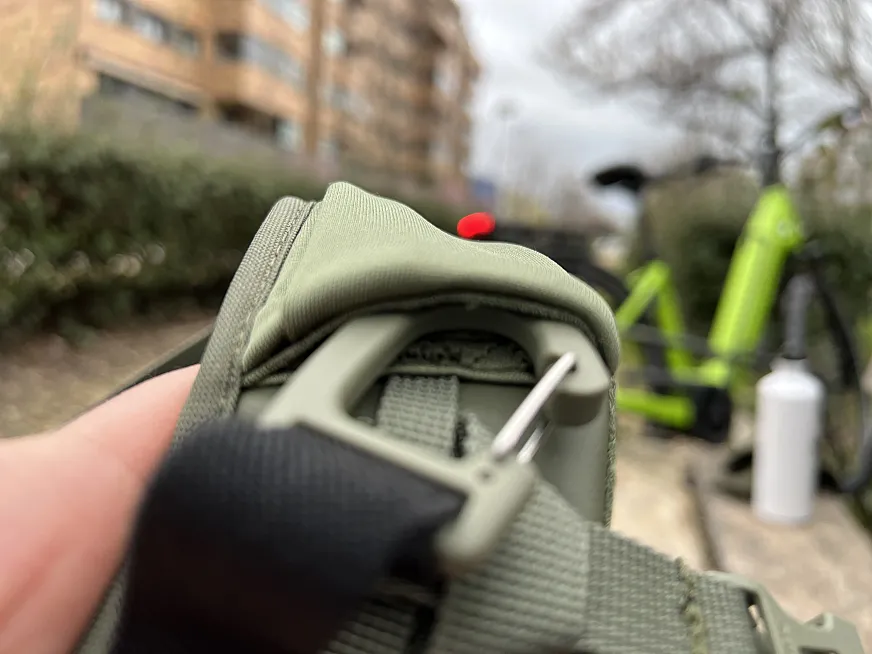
point(68, 500)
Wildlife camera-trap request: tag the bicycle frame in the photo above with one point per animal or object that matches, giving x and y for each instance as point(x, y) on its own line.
point(772, 233)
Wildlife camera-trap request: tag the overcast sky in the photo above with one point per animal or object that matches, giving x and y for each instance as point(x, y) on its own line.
point(579, 131)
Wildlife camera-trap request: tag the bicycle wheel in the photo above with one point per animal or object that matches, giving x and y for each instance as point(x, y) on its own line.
point(833, 356)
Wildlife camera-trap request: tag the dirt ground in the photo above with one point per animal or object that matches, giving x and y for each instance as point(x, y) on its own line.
point(653, 503)
point(46, 381)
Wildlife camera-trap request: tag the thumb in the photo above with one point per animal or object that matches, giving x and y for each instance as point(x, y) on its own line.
point(67, 503)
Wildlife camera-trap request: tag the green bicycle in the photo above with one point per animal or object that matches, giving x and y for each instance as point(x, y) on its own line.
point(688, 382)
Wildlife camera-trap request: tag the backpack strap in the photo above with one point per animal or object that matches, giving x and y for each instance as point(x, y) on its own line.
point(274, 520)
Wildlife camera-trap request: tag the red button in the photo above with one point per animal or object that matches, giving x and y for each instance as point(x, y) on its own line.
point(475, 225)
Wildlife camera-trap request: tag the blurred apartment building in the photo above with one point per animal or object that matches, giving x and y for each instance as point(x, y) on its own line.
point(381, 84)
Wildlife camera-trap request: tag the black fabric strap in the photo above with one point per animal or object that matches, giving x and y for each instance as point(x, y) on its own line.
point(265, 542)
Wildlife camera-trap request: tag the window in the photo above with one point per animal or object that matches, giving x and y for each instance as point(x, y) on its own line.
point(297, 15)
point(336, 97)
point(109, 10)
point(294, 12)
point(290, 70)
point(288, 134)
point(186, 41)
point(229, 46)
point(150, 26)
point(237, 47)
point(334, 43)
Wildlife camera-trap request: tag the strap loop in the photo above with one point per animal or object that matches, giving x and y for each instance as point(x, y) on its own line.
point(825, 633)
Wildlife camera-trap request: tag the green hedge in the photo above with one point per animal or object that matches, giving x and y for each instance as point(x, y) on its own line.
point(92, 234)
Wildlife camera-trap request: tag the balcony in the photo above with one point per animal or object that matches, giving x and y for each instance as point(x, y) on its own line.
point(254, 18)
point(116, 50)
point(395, 15)
point(404, 62)
point(242, 83)
point(194, 14)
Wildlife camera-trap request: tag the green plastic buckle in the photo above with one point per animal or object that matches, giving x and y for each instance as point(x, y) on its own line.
point(825, 634)
point(496, 483)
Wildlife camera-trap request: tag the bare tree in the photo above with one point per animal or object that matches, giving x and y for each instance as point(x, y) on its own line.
point(726, 69)
point(835, 38)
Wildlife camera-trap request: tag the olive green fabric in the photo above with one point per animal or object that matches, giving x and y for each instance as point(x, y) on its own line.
point(557, 583)
point(358, 250)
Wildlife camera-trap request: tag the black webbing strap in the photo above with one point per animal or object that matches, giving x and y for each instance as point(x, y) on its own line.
point(267, 541)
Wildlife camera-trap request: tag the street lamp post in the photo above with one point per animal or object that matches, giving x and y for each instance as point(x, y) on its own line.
point(505, 112)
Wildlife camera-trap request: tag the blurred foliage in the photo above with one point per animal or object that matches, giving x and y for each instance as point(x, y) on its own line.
point(694, 224)
point(92, 234)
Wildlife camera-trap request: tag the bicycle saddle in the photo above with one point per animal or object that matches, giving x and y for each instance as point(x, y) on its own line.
point(626, 176)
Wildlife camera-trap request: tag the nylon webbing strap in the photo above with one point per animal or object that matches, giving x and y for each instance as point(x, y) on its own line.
point(558, 584)
point(640, 601)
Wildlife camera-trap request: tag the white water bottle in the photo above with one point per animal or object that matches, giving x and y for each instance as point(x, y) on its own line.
point(789, 421)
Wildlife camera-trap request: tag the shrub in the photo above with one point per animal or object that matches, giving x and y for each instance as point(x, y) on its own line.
point(93, 234)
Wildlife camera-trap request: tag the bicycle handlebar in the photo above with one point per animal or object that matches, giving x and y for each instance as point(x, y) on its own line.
point(699, 166)
point(633, 178)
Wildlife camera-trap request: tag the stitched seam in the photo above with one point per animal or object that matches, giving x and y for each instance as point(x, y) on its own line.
point(691, 609)
point(244, 334)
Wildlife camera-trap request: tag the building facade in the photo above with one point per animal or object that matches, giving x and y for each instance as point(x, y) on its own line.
point(381, 84)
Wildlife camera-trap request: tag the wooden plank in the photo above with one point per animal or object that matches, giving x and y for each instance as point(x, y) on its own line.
point(824, 566)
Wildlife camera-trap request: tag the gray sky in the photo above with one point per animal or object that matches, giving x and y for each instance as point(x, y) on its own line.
point(579, 131)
